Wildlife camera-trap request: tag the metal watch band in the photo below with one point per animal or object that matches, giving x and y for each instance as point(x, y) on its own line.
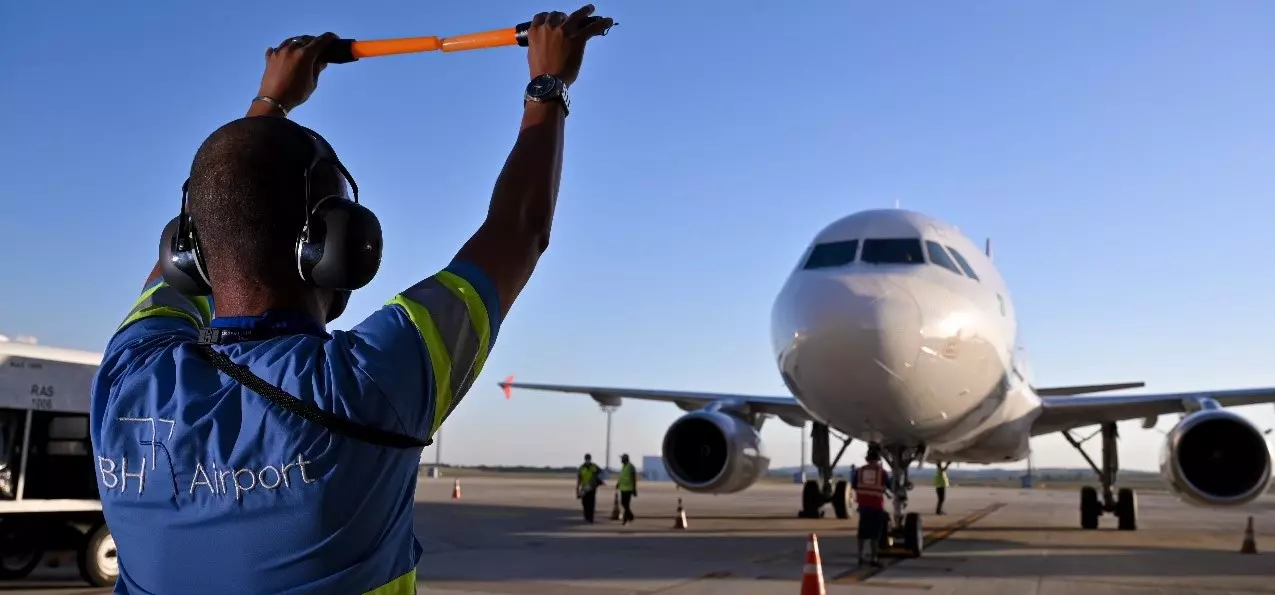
point(559, 99)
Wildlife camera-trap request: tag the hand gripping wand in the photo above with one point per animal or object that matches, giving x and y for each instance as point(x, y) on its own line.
point(342, 51)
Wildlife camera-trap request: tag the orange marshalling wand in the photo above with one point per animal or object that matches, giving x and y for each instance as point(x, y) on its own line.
point(342, 51)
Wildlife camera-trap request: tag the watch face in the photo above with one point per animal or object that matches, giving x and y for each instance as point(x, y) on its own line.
point(542, 86)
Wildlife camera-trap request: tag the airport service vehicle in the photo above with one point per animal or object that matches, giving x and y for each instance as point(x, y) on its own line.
point(897, 330)
point(48, 485)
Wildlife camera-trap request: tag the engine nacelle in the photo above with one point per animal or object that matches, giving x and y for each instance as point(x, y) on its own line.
point(1216, 458)
point(714, 452)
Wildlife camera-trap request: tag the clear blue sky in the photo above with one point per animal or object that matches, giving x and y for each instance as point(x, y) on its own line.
point(1120, 155)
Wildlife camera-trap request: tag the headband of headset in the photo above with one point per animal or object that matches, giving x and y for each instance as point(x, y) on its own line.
point(338, 247)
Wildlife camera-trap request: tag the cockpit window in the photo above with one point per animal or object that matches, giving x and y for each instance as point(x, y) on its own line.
point(892, 251)
point(965, 266)
point(939, 256)
point(832, 254)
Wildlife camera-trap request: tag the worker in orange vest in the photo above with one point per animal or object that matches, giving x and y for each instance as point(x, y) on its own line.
point(870, 483)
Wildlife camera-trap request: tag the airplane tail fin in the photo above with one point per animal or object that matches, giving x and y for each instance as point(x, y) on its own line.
point(1066, 391)
point(509, 392)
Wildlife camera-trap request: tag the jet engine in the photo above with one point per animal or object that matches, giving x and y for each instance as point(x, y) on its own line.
point(1216, 458)
point(714, 452)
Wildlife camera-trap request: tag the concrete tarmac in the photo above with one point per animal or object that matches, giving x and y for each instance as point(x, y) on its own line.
point(527, 536)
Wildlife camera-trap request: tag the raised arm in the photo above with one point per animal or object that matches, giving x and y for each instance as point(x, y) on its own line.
point(292, 73)
point(509, 243)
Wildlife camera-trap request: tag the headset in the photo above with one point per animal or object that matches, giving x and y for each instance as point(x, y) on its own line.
point(338, 248)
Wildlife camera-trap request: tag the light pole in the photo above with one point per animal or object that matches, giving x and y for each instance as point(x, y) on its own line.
point(438, 449)
point(609, 410)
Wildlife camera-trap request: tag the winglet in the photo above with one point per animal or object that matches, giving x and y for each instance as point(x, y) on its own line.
point(505, 387)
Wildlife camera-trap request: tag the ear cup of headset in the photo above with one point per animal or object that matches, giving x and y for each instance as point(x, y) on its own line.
point(343, 248)
point(182, 268)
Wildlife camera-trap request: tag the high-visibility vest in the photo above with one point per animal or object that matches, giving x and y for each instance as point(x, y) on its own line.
point(869, 488)
point(628, 478)
point(588, 472)
point(940, 479)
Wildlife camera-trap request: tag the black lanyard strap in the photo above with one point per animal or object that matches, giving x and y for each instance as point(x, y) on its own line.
point(333, 423)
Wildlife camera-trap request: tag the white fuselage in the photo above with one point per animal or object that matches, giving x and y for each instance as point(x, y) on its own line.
point(882, 333)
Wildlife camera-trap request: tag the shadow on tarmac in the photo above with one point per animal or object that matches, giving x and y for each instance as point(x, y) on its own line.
point(487, 543)
point(468, 543)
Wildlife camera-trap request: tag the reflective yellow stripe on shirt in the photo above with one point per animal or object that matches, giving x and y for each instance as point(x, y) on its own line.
point(477, 313)
point(164, 300)
point(403, 585)
point(452, 320)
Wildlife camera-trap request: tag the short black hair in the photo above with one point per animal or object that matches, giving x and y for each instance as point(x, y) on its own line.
point(247, 198)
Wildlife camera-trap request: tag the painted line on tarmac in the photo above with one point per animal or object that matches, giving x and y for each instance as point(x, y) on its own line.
point(1176, 585)
point(859, 575)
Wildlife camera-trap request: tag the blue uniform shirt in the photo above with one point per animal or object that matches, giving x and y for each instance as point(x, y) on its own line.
point(209, 488)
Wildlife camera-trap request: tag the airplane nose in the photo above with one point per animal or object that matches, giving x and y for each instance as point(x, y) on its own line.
point(849, 335)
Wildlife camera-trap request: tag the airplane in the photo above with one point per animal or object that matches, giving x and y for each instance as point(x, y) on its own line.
point(897, 330)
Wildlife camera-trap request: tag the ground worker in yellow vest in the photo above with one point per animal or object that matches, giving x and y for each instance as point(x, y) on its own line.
point(588, 479)
point(627, 484)
point(940, 485)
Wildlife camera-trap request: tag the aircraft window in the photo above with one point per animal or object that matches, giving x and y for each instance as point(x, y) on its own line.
point(965, 266)
point(832, 254)
point(893, 251)
point(939, 256)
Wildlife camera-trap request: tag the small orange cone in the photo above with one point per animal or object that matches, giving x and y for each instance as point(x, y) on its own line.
point(680, 521)
point(812, 574)
point(1250, 541)
point(456, 490)
point(615, 508)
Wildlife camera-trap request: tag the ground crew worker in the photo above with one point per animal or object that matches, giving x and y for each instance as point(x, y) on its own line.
point(869, 491)
point(627, 484)
point(588, 479)
point(210, 486)
point(940, 486)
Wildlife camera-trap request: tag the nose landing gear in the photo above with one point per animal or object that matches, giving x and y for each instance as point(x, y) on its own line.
point(905, 531)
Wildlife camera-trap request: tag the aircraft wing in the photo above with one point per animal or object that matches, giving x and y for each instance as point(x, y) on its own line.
point(785, 408)
point(1066, 412)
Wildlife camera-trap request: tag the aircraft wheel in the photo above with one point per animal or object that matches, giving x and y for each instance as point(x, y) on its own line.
point(1127, 509)
point(841, 500)
point(811, 501)
point(913, 535)
point(1090, 509)
point(20, 553)
point(98, 559)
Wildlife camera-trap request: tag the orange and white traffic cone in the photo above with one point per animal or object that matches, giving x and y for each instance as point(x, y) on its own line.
point(812, 574)
point(456, 490)
point(680, 521)
point(1250, 540)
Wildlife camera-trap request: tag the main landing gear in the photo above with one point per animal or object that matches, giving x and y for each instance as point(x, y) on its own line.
point(905, 530)
point(1124, 503)
point(816, 493)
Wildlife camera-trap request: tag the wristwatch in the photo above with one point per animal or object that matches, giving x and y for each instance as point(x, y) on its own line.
point(546, 88)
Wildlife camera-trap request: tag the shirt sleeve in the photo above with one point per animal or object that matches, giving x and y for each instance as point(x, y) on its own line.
point(424, 349)
point(161, 310)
